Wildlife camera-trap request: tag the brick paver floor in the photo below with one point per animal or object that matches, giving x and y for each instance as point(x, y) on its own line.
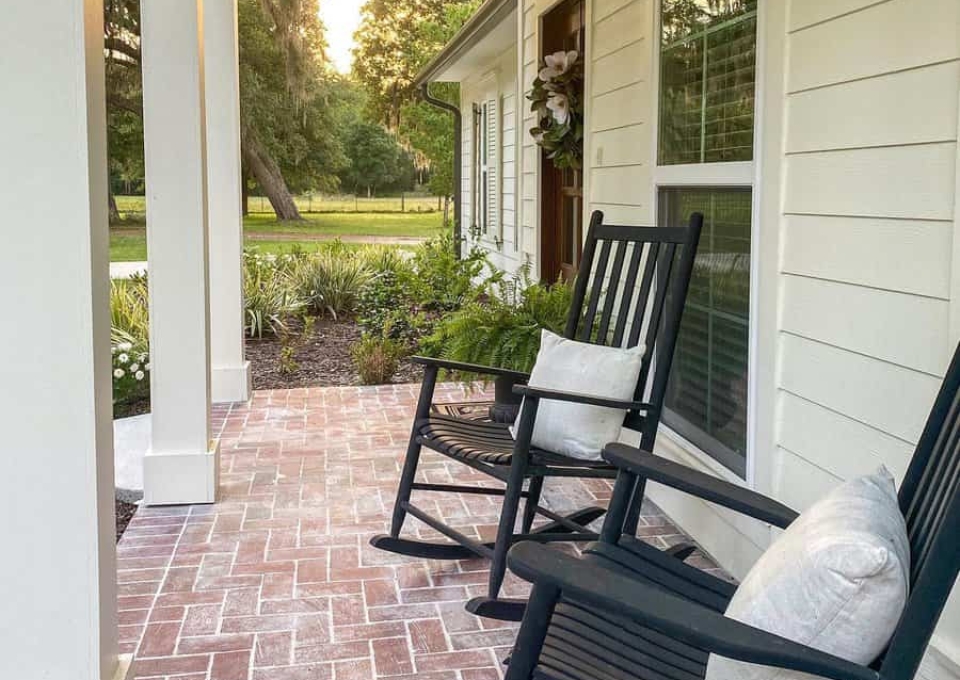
point(277, 582)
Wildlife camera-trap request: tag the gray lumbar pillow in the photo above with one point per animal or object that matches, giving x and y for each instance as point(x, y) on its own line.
point(578, 430)
point(836, 580)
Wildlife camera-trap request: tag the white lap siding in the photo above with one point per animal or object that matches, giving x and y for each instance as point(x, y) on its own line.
point(869, 275)
point(497, 82)
point(856, 250)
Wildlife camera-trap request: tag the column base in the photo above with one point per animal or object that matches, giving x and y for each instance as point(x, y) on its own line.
point(181, 478)
point(230, 383)
point(124, 670)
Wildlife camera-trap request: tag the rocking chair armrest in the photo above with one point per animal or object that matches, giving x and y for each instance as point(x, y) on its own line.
point(699, 484)
point(470, 368)
point(557, 395)
point(681, 619)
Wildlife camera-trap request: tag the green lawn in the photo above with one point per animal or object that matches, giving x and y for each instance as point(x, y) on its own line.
point(420, 225)
point(320, 203)
point(128, 242)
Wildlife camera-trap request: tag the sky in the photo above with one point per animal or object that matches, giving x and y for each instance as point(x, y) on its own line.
point(341, 18)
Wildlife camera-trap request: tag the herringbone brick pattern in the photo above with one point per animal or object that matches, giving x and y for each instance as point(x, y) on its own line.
point(276, 581)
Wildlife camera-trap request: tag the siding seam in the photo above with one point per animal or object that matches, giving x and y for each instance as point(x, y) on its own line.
point(872, 76)
point(845, 416)
point(872, 357)
point(822, 22)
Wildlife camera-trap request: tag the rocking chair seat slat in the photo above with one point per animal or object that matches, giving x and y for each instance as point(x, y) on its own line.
point(486, 442)
point(586, 644)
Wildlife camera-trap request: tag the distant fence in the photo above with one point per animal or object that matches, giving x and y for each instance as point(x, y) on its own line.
point(133, 206)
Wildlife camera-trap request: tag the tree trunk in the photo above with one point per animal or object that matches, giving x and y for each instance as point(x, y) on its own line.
point(446, 211)
point(244, 192)
point(268, 176)
point(112, 206)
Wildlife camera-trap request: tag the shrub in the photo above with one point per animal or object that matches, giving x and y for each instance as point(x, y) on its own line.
point(131, 368)
point(130, 339)
point(328, 282)
point(444, 283)
point(380, 259)
point(376, 359)
point(129, 309)
point(503, 331)
point(382, 304)
point(269, 294)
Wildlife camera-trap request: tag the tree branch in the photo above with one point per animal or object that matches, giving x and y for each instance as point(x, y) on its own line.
point(121, 47)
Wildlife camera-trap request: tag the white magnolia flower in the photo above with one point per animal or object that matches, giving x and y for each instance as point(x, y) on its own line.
point(139, 375)
point(125, 346)
point(118, 373)
point(557, 63)
point(134, 367)
point(559, 105)
point(123, 358)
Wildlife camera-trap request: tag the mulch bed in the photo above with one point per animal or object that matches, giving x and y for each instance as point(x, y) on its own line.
point(125, 512)
point(320, 358)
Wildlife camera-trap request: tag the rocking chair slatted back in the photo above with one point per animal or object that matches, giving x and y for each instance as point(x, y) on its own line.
point(631, 283)
point(930, 502)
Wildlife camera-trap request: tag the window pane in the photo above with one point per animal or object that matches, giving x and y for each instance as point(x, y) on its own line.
point(707, 73)
point(707, 393)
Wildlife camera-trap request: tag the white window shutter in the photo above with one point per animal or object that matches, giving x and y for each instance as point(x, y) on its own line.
point(478, 174)
point(492, 223)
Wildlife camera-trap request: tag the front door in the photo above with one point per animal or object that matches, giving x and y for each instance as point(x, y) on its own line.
point(561, 190)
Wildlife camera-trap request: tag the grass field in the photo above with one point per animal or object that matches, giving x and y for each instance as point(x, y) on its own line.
point(319, 203)
point(128, 242)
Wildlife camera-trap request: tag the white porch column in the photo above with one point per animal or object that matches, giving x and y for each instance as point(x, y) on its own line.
point(230, 377)
point(58, 617)
point(182, 463)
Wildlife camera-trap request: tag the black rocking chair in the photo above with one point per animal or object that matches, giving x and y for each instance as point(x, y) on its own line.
point(632, 285)
point(626, 610)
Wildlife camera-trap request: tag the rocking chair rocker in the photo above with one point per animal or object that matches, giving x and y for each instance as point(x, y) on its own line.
point(624, 610)
point(632, 282)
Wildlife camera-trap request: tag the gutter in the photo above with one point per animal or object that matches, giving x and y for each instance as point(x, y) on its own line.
point(457, 162)
point(487, 16)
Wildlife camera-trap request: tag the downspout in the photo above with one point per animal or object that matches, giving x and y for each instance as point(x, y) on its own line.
point(457, 161)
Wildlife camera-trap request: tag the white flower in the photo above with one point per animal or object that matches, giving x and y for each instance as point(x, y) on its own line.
point(123, 358)
point(134, 367)
point(118, 373)
point(559, 105)
point(113, 350)
point(557, 63)
point(125, 346)
point(538, 137)
point(147, 365)
point(142, 358)
point(139, 375)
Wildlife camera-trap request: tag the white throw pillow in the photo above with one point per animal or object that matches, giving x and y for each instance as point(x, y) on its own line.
point(836, 580)
point(578, 430)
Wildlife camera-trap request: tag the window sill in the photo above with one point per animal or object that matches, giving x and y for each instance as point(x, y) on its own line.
point(678, 448)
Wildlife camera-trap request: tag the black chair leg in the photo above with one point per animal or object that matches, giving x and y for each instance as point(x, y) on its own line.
point(530, 507)
point(412, 459)
point(633, 514)
point(508, 518)
point(406, 486)
point(533, 631)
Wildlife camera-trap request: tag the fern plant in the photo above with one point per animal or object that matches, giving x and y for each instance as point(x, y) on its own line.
point(503, 331)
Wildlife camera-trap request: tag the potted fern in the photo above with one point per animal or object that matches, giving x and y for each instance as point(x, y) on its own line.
point(502, 331)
